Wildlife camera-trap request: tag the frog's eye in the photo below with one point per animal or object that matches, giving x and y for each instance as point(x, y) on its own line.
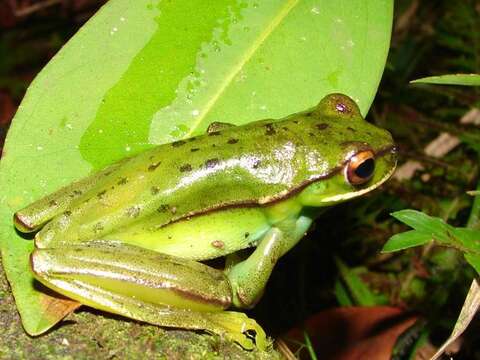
point(360, 167)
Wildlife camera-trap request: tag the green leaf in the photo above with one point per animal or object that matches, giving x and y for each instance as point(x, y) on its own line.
point(431, 228)
point(342, 295)
point(474, 260)
point(429, 225)
point(147, 72)
point(406, 240)
point(309, 346)
point(468, 239)
point(359, 291)
point(453, 79)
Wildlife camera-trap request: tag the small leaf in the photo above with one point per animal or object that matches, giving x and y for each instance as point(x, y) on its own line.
point(468, 239)
point(359, 291)
point(453, 79)
point(473, 260)
point(433, 226)
point(406, 240)
point(309, 346)
point(342, 295)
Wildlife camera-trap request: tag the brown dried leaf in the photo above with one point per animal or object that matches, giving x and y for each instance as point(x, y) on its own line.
point(349, 333)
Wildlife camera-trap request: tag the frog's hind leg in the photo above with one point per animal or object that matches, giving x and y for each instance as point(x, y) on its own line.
point(146, 286)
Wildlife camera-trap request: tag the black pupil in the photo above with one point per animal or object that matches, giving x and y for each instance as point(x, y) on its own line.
point(365, 169)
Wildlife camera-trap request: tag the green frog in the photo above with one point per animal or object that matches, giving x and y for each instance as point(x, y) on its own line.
point(131, 238)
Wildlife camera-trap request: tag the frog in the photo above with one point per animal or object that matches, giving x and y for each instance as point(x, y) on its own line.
point(135, 238)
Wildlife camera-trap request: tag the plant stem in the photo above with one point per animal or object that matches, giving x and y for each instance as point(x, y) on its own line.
point(474, 218)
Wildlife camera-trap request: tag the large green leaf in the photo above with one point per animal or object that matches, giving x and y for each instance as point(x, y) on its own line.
point(146, 72)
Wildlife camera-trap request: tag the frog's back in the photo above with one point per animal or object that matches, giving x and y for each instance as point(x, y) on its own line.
point(238, 166)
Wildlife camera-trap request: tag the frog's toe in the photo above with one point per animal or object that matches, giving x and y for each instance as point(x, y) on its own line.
point(241, 329)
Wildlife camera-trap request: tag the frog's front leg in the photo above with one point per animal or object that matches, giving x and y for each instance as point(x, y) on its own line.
point(249, 277)
point(147, 286)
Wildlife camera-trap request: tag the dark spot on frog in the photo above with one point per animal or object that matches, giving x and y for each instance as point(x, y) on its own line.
point(309, 114)
point(178, 143)
point(311, 134)
point(194, 149)
point(256, 164)
point(192, 139)
point(232, 141)
point(247, 234)
point(151, 157)
point(295, 121)
point(211, 163)
point(351, 129)
point(154, 190)
point(322, 126)
point(214, 133)
point(122, 181)
point(52, 203)
point(153, 166)
point(133, 211)
point(163, 208)
point(270, 130)
point(75, 193)
point(67, 213)
point(101, 194)
point(169, 237)
point(185, 168)
point(218, 244)
point(98, 227)
point(285, 128)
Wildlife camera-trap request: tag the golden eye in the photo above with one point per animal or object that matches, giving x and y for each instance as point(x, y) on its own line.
point(360, 167)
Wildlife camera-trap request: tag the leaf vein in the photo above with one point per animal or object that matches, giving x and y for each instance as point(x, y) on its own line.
point(242, 61)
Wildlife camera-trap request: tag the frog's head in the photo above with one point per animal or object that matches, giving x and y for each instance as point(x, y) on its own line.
point(357, 156)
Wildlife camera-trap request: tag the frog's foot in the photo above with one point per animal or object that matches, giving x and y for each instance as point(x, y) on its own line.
point(147, 286)
point(240, 328)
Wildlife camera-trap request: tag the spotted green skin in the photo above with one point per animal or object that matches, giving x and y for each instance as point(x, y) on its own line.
point(126, 239)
